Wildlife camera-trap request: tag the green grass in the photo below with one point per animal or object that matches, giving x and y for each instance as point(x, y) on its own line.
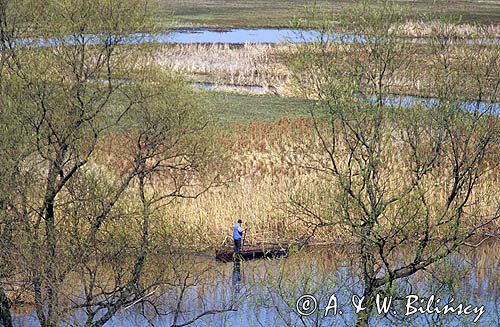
point(226, 109)
point(278, 13)
point(234, 13)
point(231, 108)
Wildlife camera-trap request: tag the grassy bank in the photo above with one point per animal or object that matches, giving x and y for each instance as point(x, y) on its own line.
point(232, 109)
point(278, 13)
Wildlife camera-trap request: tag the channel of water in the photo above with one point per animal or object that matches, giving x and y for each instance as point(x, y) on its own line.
point(264, 292)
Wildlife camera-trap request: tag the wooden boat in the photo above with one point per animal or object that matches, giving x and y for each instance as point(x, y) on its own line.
point(227, 255)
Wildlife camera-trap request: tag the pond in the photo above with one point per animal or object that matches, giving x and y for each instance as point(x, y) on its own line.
point(190, 36)
point(266, 292)
point(259, 35)
point(210, 35)
point(238, 35)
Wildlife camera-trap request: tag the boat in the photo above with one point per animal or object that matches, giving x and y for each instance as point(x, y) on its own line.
point(227, 255)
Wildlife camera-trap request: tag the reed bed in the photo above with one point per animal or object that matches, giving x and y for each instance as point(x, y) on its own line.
point(422, 29)
point(267, 168)
point(269, 66)
point(234, 64)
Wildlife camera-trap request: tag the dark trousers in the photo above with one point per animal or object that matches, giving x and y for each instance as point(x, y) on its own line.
point(237, 246)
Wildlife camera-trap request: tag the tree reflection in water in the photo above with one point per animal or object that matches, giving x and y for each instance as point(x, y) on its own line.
point(198, 291)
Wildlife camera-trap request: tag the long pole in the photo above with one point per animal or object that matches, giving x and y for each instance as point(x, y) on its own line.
point(243, 240)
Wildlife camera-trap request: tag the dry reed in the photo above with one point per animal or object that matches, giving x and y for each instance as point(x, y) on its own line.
point(267, 168)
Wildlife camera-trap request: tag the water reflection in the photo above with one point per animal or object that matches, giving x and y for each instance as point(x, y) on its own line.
point(240, 35)
point(228, 36)
point(190, 36)
point(236, 277)
point(266, 294)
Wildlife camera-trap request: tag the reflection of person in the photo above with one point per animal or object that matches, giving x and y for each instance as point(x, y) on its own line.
point(236, 276)
point(237, 235)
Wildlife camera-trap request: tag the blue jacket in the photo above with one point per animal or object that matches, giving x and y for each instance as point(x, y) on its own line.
point(237, 232)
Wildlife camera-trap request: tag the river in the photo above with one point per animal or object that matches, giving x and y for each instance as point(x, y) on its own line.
point(265, 293)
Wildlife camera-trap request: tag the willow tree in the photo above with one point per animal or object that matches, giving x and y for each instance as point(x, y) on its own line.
point(399, 174)
point(69, 84)
point(55, 48)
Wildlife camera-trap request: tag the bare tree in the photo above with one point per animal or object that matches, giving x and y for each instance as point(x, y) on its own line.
point(69, 85)
point(167, 156)
point(411, 174)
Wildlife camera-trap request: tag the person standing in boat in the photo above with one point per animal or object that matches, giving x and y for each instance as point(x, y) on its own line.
point(237, 236)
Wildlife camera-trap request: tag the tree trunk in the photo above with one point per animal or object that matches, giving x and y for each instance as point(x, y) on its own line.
point(51, 247)
point(362, 319)
point(51, 276)
point(5, 316)
point(367, 266)
point(364, 316)
point(37, 285)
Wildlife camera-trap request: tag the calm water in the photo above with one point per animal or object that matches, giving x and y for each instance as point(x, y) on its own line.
point(472, 106)
point(237, 35)
point(264, 293)
point(258, 35)
point(397, 101)
point(187, 36)
point(261, 35)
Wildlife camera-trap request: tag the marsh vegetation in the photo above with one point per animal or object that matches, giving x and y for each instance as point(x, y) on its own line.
point(119, 179)
point(258, 13)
